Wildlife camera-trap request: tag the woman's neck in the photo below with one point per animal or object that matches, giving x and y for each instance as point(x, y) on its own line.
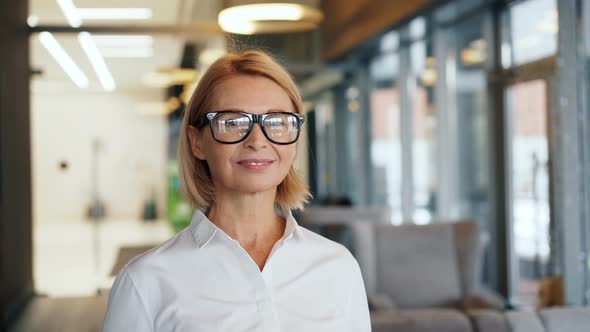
point(250, 219)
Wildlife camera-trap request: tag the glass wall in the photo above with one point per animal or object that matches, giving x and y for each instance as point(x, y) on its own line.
point(528, 37)
point(337, 156)
point(349, 119)
point(584, 58)
point(463, 135)
point(467, 107)
point(422, 79)
point(324, 158)
point(526, 102)
point(529, 43)
point(385, 133)
point(462, 104)
point(403, 122)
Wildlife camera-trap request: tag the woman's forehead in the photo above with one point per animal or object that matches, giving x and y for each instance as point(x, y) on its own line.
point(251, 94)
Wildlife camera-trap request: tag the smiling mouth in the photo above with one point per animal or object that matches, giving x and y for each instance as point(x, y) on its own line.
point(255, 163)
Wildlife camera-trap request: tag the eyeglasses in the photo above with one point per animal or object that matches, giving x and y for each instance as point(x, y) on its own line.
point(230, 127)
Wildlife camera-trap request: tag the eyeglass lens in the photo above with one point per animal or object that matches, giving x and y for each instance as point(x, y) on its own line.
point(232, 127)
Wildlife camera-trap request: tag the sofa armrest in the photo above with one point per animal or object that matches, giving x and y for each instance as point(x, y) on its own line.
point(483, 301)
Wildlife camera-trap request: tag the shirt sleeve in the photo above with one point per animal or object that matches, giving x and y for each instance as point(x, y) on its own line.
point(358, 308)
point(126, 310)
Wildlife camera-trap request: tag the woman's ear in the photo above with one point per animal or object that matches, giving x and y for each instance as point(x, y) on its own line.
point(195, 138)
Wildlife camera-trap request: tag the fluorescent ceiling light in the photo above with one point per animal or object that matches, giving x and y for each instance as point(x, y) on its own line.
point(268, 17)
point(100, 67)
point(70, 12)
point(63, 59)
point(115, 13)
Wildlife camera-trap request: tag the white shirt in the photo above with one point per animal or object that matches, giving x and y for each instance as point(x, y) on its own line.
point(203, 280)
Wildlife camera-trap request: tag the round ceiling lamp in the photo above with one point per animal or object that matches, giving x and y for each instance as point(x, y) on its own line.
point(269, 18)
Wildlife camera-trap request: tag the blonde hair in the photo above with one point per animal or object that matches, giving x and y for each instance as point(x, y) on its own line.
point(195, 178)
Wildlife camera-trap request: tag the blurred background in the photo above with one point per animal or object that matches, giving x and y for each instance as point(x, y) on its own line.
point(421, 112)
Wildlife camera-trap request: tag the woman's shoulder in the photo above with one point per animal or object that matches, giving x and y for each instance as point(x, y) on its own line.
point(321, 244)
point(164, 255)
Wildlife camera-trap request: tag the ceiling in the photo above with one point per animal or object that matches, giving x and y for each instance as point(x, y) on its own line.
point(127, 72)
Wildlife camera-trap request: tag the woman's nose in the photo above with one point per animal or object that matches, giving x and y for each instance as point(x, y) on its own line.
point(256, 140)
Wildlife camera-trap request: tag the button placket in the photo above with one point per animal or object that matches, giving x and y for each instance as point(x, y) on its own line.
point(262, 282)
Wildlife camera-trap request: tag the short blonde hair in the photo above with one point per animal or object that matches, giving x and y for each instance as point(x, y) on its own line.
point(195, 178)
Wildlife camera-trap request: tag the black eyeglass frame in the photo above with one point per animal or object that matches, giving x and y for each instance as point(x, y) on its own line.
point(254, 118)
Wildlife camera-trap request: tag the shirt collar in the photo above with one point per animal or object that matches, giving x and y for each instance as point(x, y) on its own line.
point(291, 227)
point(203, 229)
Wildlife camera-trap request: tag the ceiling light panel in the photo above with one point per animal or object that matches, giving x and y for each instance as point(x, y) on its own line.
point(97, 61)
point(63, 59)
point(70, 12)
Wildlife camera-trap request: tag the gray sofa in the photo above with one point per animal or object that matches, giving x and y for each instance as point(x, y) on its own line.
point(418, 278)
point(423, 278)
point(426, 278)
point(564, 319)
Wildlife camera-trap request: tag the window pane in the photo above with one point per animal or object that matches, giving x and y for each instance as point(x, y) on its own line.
point(527, 106)
point(385, 133)
point(530, 32)
point(325, 141)
point(424, 132)
point(585, 129)
point(468, 93)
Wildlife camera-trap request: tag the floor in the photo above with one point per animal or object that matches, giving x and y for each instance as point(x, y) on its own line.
point(67, 314)
point(73, 261)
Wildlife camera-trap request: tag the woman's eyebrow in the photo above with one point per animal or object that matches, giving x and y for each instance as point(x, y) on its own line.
point(230, 110)
point(272, 110)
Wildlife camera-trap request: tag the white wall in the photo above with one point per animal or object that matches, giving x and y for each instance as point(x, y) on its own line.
point(131, 162)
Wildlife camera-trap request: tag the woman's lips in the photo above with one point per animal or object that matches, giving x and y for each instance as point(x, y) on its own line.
point(256, 164)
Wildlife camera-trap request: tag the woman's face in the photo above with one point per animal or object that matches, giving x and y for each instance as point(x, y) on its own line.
point(255, 164)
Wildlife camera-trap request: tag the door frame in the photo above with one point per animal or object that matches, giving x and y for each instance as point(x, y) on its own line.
point(543, 69)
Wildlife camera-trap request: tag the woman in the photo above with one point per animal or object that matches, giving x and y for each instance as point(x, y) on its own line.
point(244, 264)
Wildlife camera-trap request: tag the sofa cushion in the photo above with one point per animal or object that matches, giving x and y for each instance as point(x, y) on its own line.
point(418, 265)
point(524, 321)
point(566, 319)
point(420, 320)
point(486, 320)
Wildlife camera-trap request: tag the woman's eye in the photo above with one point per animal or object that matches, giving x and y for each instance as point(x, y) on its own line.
point(277, 123)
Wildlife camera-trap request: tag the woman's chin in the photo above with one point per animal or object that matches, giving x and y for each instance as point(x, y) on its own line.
point(256, 188)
